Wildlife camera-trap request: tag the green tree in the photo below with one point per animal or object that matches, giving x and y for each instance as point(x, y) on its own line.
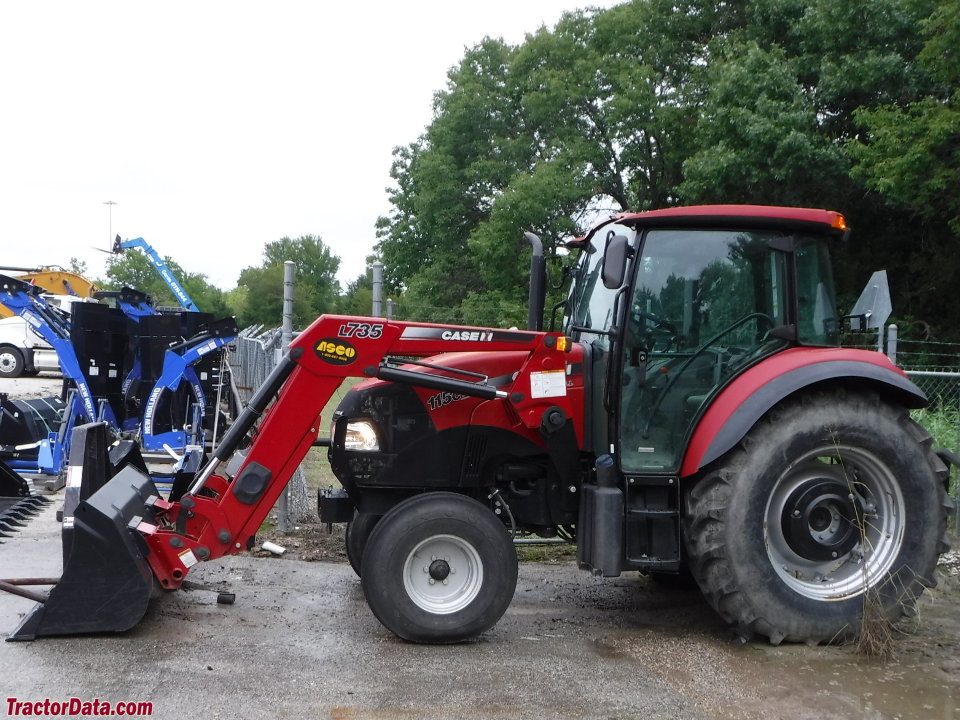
point(583, 119)
point(77, 266)
point(759, 137)
point(316, 268)
point(654, 103)
point(263, 298)
point(133, 269)
point(316, 291)
point(357, 299)
point(911, 154)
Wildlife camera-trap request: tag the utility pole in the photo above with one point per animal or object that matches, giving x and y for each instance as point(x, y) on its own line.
point(377, 310)
point(286, 335)
point(110, 204)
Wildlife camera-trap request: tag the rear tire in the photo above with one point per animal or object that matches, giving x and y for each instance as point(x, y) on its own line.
point(832, 501)
point(11, 362)
point(439, 568)
point(356, 537)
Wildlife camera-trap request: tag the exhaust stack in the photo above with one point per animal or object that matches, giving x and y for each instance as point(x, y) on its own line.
point(538, 284)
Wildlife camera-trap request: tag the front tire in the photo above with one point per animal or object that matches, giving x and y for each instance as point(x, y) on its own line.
point(356, 537)
point(439, 568)
point(11, 362)
point(830, 502)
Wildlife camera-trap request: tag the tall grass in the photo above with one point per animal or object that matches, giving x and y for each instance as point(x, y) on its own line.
point(943, 423)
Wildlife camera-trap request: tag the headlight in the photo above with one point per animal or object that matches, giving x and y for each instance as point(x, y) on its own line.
point(361, 435)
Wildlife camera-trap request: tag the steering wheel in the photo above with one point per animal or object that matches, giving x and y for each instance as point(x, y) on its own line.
point(697, 353)
point(650, 328)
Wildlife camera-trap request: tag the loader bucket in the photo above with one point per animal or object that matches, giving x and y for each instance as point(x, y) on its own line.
point(11, 484)
point(106, 582)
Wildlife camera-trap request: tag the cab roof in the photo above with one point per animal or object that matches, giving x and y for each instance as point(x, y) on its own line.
point(730, 216)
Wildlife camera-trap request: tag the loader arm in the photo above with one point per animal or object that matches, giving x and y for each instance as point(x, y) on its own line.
point(124, 538)
point(220, 514)
point(25, 301)
point(161, 267)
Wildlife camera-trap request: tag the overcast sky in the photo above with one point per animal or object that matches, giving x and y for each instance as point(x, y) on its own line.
point(216, 127)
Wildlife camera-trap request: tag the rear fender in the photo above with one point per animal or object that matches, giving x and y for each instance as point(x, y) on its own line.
point(744, 401)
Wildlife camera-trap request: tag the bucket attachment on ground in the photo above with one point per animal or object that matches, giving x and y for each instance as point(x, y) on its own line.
point(107, 581)
point(17, 504)
point(11, 484)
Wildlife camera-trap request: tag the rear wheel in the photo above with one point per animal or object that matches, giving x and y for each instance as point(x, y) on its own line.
point(11, 361)
point(830, 502)
point(439, 568)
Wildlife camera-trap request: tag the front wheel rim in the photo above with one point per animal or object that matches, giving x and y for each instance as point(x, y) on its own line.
point(443, 574)
point(8, 362)
point(834, 523)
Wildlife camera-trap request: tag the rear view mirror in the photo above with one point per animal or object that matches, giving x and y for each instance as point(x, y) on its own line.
point(615, 260)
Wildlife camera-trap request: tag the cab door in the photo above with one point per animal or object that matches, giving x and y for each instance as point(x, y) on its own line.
point(704, 305)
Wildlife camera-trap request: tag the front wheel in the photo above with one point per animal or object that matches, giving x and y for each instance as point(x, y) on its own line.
point(439, 568)
point(11, 362)
point(357, 534)
point(831, 502)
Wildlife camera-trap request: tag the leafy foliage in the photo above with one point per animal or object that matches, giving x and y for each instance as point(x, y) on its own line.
point(912, 153)
point(133, 269)
point(259, 299)
point(653, 103)
point(357, 299)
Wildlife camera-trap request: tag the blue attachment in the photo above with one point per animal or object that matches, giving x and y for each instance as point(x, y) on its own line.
point(134, 305)
point(161, 267)
point(54, 450)
point(177, 366)
point(52, 325)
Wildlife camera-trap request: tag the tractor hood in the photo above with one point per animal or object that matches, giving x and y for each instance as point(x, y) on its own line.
point(396, 435)
point(498, 368)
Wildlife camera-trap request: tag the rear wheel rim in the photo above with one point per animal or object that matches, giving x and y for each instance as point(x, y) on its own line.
point(834, 523)
point(443, 574)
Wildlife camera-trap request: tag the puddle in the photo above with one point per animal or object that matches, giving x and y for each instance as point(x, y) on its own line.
point(902, 690)
point(761, 682)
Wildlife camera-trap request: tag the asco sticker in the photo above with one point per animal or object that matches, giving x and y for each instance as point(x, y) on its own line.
point(335, 351)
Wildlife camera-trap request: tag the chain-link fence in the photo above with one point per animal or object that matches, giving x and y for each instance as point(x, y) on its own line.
point(935, 368)
point(257, 352)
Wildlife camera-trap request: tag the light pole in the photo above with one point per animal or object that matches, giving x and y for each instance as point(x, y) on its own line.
point(110, 204)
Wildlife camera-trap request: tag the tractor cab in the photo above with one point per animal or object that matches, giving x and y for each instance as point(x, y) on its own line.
point(672, 308)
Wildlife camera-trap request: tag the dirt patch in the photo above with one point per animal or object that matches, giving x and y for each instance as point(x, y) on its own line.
point(309, 541)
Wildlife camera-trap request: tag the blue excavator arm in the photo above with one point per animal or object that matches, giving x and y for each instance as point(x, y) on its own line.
point(160, 266)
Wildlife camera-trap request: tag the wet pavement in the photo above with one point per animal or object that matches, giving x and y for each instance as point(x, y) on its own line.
point(300, 642)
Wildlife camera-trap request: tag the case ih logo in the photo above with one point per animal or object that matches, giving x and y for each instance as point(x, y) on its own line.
point(504, 336)
point(335, 351)
point(472, 335)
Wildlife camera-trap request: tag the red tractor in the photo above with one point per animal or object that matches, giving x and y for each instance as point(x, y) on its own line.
point(695, 415)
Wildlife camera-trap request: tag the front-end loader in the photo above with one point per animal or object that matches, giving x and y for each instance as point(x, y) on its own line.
point(696, 414)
